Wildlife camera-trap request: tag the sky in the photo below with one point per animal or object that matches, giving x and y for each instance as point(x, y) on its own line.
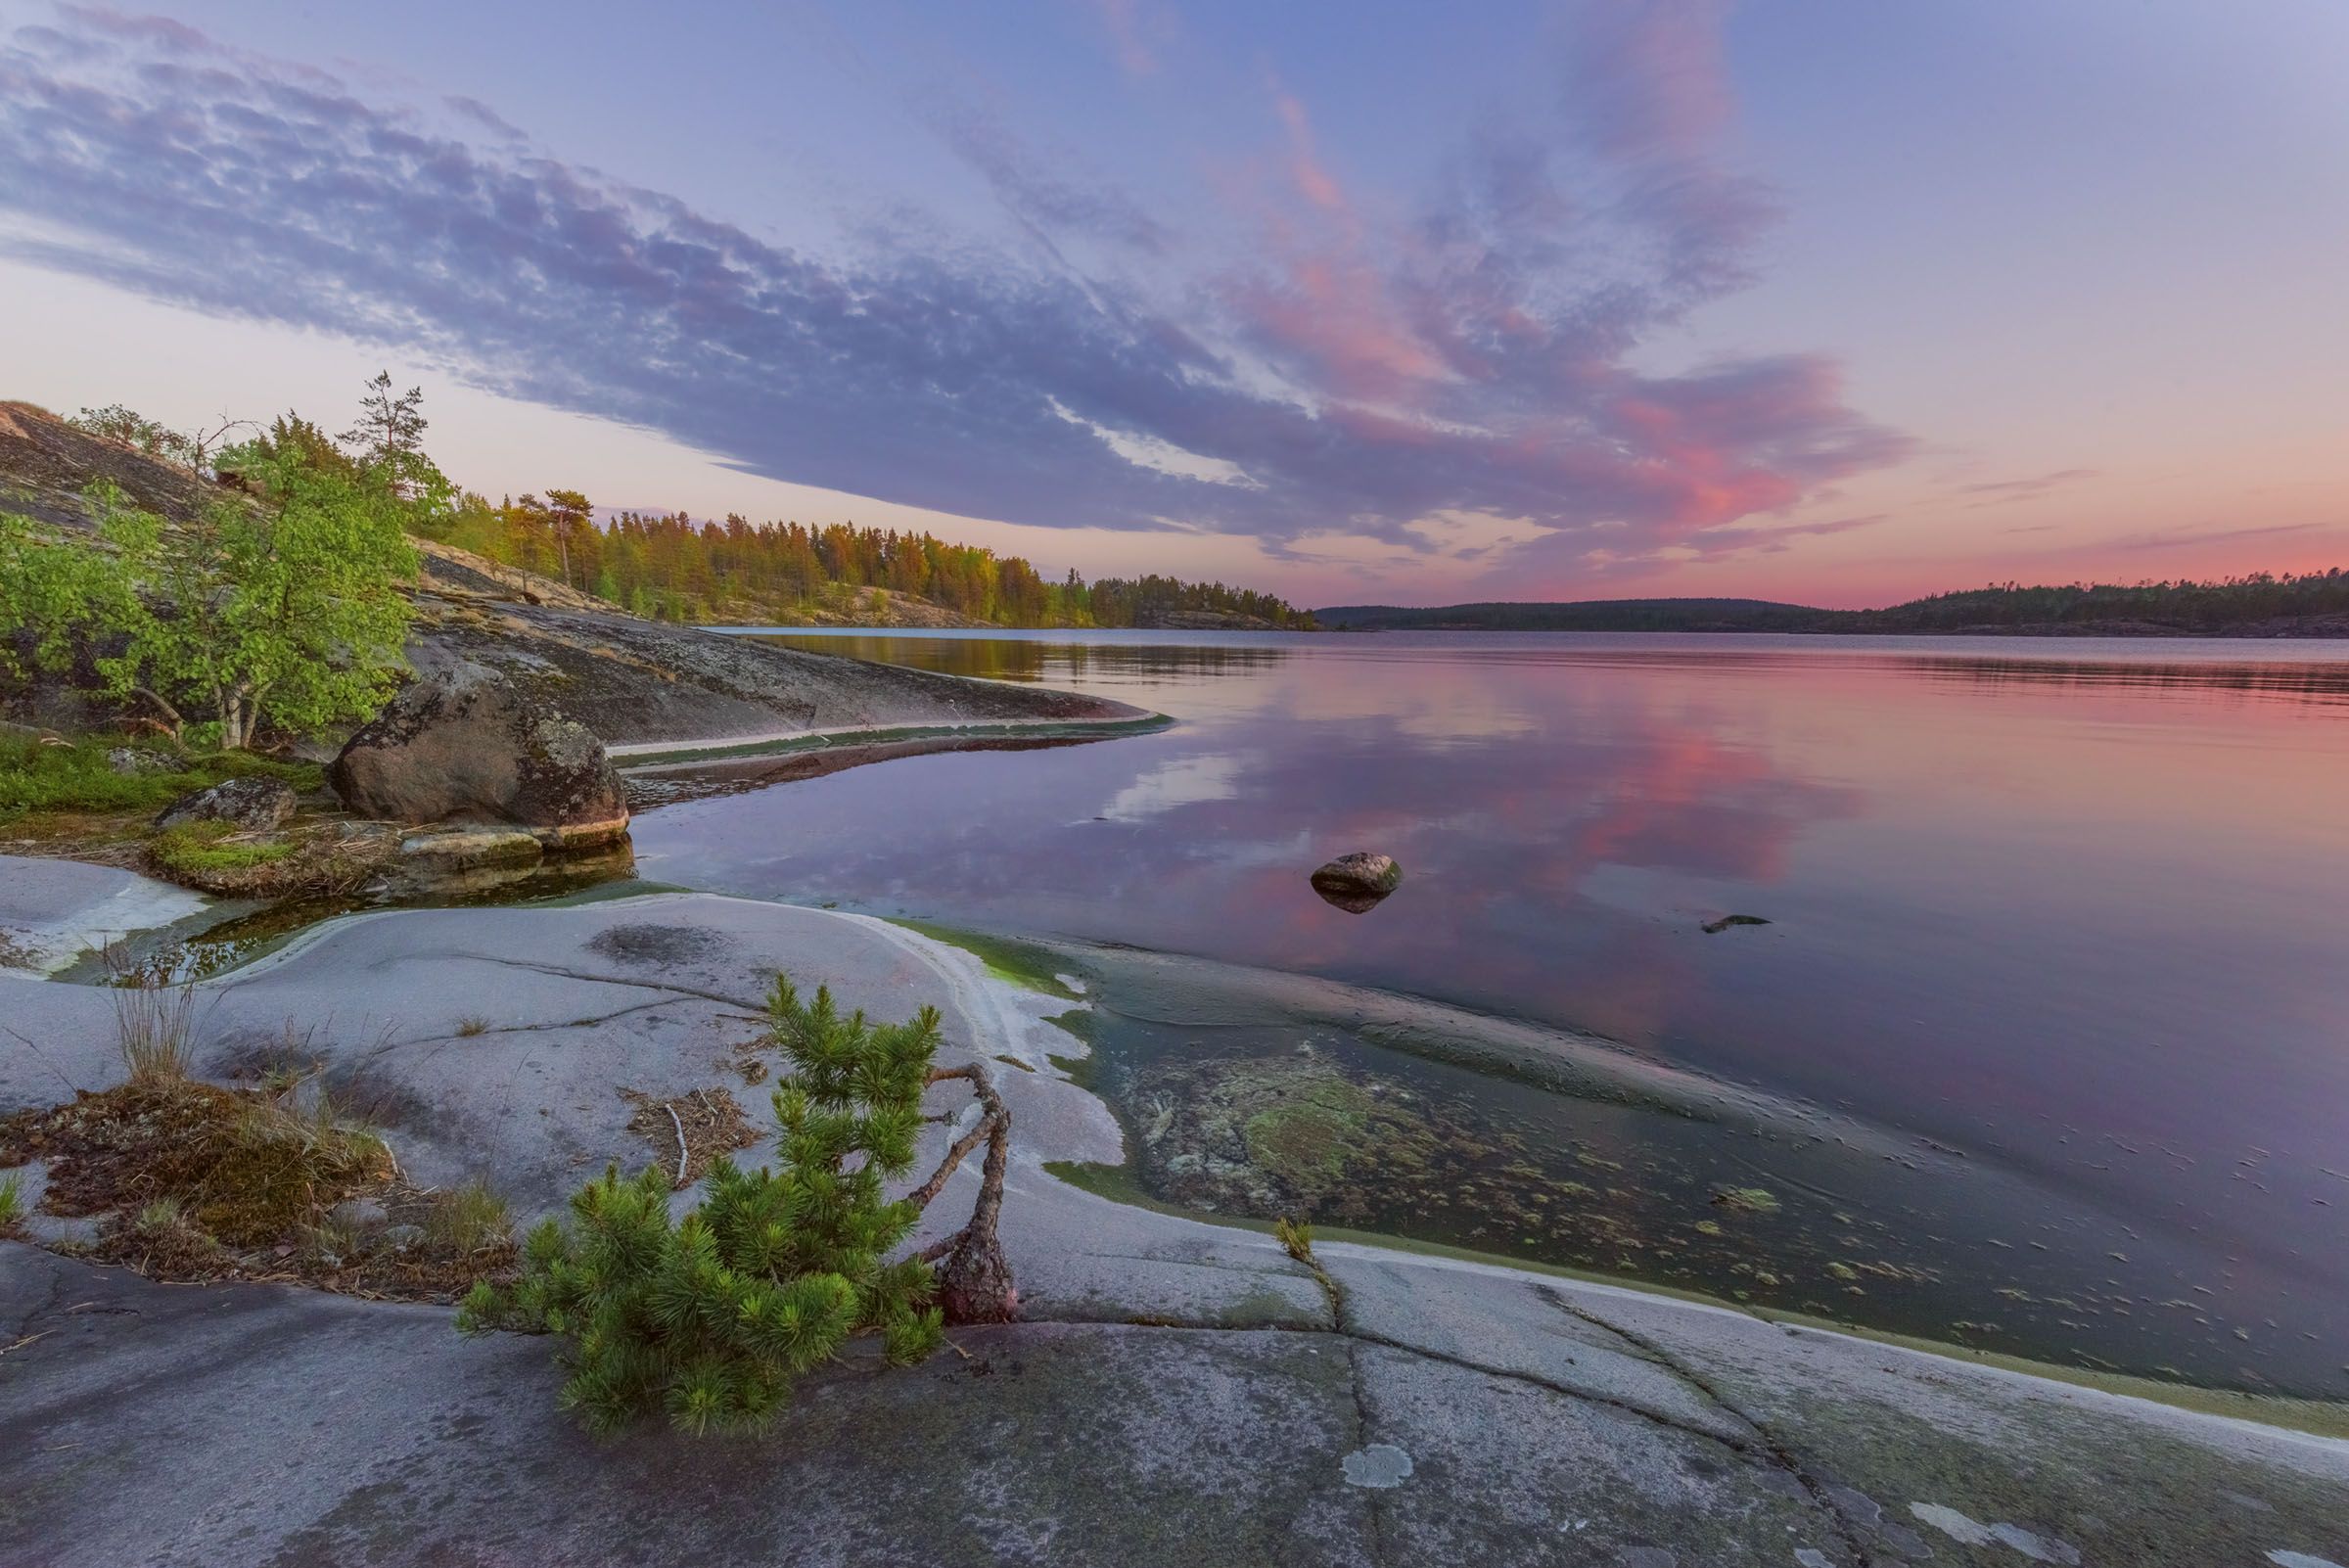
point(1825, 300)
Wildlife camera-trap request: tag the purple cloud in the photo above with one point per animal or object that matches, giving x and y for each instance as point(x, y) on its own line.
point(1359, 378)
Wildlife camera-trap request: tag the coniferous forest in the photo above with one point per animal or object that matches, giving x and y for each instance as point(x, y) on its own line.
point(672, 566)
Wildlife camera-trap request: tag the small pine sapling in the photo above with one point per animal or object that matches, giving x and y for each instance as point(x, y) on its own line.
point(713, 1316)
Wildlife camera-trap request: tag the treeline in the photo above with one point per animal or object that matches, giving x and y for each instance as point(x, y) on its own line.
point(2312, 603)
point(670, 567)
point(2183, 605)
point(1583, 614)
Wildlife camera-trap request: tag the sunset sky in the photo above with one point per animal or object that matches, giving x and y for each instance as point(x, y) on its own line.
point(1836, 302)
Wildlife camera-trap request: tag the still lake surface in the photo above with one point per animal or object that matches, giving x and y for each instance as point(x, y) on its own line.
point(2045, 1048)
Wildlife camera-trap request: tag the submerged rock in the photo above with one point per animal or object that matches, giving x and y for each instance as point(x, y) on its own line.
point(255, 804)
point(473, 745)
point(1714, 928)
point(1356, 882)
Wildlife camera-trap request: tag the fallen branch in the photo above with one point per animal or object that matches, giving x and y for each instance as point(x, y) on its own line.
point(683, 1153)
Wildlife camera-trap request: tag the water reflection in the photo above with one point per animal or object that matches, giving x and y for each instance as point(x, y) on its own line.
point(1050, 663)
point(2074, 914)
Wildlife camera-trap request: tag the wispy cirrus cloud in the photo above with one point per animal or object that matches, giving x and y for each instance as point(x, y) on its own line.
point(1050, 203)
point(2010, 492)
point(1354, 372)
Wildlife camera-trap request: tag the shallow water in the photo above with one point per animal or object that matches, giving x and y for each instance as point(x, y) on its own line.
point(2064, 921)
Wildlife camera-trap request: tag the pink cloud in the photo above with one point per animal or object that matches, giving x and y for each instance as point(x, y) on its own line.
point(1123, 19)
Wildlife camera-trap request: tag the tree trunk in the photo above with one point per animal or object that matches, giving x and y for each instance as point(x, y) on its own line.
point(975, 1285)
point(178, 723)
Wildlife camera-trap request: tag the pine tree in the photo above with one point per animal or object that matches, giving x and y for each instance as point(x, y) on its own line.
point(714, 1316)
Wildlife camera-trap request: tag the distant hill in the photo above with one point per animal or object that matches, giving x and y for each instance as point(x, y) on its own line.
point(1583, 614)
point(2310, 604)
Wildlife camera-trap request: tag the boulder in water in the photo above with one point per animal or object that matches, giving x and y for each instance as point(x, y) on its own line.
point(1358, 881)
point(473, 745)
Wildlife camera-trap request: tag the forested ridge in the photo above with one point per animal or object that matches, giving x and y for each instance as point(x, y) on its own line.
point(672, 566)
point(2254, 599)
point(2256, 603)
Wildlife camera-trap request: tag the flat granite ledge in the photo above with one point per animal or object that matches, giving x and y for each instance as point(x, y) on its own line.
point(1183, 1393)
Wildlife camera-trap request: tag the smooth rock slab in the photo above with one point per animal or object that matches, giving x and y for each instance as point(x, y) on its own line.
point(52, 911)
point(176, 1426)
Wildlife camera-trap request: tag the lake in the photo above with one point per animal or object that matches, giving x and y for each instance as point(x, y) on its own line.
point(2043, 1047)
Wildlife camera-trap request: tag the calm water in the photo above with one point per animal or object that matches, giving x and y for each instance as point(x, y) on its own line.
point(2045, 1048)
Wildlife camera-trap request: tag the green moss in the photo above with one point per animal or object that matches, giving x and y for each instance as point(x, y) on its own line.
point(1076, 1021)
point(79, 778)
point(1024, 964)
point(202, 847)
point(1307, 1141)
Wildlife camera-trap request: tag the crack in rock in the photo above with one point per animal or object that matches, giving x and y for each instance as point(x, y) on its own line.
point(1766, 1443)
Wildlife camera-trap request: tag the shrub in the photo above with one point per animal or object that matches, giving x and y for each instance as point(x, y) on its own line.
point(712, 1317)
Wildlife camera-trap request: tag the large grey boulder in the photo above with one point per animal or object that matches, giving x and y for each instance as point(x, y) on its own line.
point(255, 804)
point(473, 745)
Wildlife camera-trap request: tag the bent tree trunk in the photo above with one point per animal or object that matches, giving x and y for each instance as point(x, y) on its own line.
point(974, 1283)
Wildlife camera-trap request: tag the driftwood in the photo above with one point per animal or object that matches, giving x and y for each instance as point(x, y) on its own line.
point(974, 1282)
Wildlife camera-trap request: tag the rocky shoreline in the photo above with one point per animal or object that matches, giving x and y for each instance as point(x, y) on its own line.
point(1176, 1392)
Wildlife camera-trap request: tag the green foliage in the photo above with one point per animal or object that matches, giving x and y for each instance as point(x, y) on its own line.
point(39, 777)
point(287, 610)
point(387, 446)
point(713, 1316)
point(1296, 1238)
point(197, 847)
point(134, 429)
point(12, 1204)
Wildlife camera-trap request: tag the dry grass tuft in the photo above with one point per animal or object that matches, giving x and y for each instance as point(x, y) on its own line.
point(154, 1023)
point(465, 1222)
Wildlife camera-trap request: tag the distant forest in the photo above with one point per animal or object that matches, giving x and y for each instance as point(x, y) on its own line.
point(2242, 603)
point(672, 568)
point(2262, 604)
point(1583, 614)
